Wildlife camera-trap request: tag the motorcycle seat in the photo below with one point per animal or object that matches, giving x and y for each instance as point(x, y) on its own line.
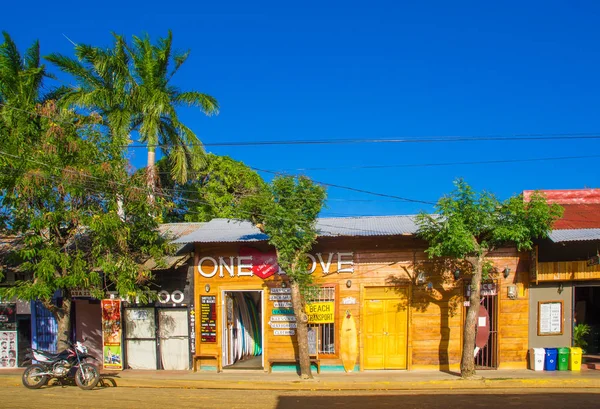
point(49, 355)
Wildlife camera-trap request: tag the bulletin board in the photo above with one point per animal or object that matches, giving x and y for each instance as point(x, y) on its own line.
point(550, 317)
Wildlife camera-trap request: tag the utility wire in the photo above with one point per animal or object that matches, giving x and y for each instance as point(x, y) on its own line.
point(426, 139)
point(146, 190)
point(439, 164)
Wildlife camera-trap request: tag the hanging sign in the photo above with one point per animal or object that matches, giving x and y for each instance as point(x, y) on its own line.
point(277, 290)
point(283, 324)
point(208, 318)
point(282, 311)
point(282, 304)
point(81, 292)
point(284, 332)
point(111, 334)
point(280, 297)
point(287, 318)
point(320, 312)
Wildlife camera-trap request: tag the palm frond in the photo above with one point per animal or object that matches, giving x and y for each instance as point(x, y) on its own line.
point(207, 104)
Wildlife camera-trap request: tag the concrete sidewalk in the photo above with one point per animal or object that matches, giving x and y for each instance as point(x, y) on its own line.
point(368, 380)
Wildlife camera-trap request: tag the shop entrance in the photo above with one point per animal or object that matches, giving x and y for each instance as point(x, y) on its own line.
point(243, 330)
point(152, 346)
point(386, 327)
point(587, 311)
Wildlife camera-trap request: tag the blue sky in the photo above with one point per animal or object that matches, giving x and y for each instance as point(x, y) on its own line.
point(286, 71)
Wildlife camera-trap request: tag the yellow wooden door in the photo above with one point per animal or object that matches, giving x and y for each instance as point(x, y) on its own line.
point(386, 319)
point(374, 335)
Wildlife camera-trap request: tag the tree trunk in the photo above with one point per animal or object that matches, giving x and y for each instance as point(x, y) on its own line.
point(301, 331)
point(467, 363)
point(63, 320)
point(151, 173)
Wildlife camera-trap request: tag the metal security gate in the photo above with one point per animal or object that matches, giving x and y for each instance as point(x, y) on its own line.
point(487, 357)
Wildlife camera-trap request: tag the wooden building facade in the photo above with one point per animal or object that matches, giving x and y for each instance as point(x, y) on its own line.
point(380, 304)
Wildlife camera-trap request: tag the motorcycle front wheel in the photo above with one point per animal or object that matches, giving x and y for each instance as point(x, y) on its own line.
point(87, 376)
point(31, 377)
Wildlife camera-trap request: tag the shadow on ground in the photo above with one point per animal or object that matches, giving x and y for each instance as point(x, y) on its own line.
point(106, 381)
point(540, 400)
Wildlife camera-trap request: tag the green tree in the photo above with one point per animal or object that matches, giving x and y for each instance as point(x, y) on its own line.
point(220, 189)
point(58, 199)
point(468, 226)
point(287, 213)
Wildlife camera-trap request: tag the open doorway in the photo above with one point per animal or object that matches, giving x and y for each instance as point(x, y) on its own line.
point(243, 332)
point(587, 311)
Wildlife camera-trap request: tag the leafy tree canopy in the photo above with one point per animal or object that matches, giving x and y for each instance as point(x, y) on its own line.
point(59, 201)
point(467, 223)
point(223, 188)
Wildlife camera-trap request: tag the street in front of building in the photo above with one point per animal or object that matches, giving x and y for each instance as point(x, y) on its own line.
point(150, 398)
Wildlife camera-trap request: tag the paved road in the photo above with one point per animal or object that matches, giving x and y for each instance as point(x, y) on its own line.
point(147, 398)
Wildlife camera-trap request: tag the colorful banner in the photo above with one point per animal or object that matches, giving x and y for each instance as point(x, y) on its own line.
point(111, 334)
point(8, 349)
point(320, 312)
point(8, 317)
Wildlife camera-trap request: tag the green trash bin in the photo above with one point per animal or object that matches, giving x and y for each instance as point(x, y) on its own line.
point(563, 359)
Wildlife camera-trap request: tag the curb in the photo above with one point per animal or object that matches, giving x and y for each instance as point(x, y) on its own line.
point(325, 385)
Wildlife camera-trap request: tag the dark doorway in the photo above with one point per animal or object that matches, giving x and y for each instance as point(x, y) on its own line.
point(587, 311)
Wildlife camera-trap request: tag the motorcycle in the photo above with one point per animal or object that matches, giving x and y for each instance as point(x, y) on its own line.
point(60, 366)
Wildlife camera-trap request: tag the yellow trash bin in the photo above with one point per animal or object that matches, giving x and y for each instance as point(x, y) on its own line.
point(575, 359)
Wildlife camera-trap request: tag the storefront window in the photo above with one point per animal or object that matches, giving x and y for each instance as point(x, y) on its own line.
point(325, 332)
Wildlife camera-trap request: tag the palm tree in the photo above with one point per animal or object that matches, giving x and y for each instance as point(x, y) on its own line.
point(21, 82)
point(103, 84)
point(129, 86)
point(155, 101)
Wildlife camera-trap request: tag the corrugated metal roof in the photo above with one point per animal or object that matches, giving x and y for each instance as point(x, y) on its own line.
point(567, 196)
point(367, 226)
point(579, 216)
point(559, 236)
point(226, 230)
point(177, 230)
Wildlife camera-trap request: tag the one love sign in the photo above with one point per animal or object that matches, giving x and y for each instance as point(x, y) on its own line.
point(263, 264)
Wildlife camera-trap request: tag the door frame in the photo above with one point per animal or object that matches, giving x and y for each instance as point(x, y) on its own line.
point(363, 323)
point(223, 330)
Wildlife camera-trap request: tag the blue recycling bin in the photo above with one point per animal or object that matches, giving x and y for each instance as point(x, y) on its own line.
point(551, 358)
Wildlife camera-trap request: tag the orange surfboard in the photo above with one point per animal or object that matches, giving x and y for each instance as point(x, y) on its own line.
point(348, 343)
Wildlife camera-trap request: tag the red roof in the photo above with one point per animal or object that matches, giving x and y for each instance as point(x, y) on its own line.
point(582, 207)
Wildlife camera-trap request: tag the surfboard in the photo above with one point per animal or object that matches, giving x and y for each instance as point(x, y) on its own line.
point(348, 343)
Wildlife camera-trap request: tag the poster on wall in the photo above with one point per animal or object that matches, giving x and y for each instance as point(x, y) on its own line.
point(550, 317)
point(8, 349)
point(8, 317)
point(8, 335)
point(208, 318)
point(111, 334)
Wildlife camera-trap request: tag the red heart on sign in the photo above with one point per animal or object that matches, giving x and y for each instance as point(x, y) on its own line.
point(263, 264)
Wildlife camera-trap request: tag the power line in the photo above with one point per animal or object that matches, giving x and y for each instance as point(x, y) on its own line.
point(404, 199)
point(435, 139)
point(331, 141)
point(440, 164)
point(146, 190)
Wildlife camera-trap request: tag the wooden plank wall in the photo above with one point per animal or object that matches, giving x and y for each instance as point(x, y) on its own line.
point(567, 271)
point(435, 315)
point(513, 314)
